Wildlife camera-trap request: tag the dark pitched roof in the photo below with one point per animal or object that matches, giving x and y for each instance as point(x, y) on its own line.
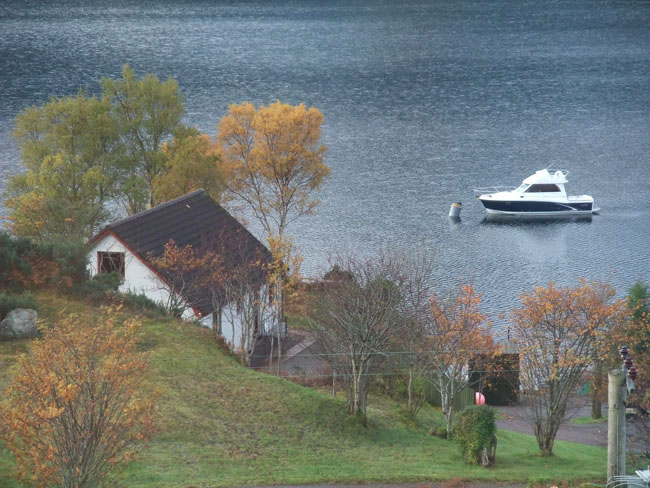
point(194, 219)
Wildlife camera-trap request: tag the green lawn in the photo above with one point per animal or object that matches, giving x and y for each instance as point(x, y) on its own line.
point(221, 425)
point(588, 420)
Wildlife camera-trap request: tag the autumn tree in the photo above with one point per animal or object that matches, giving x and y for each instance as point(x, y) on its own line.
point(191, 162)
point(241, 283)
point(283, 278)
point(84, 154)
point(147, 112)
point(275, 159)
point(76, 405)
point(71, 151)
point(558, 331)
point(237, 281)
point(247, 299)
point(275, 165)
point(185, 271)
point(607, 316)
point(457, 335)
point(637, 336)
point(356, 319)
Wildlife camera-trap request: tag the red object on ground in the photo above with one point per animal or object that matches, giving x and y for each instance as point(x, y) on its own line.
point(480, 398)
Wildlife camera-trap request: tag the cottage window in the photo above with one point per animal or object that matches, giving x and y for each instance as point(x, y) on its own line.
point(110, 262)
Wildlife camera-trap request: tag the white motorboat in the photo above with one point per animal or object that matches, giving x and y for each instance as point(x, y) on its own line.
point(540, 194)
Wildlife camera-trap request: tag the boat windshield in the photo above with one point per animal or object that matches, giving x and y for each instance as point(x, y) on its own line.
point(522, 188)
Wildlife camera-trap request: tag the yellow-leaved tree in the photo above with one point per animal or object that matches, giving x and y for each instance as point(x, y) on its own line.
point(76, 405)
point(275, 160)
point(560, 332)
point(192, 161)
point(274, 165)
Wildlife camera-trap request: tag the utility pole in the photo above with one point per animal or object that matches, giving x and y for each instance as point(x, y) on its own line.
point(621, 382)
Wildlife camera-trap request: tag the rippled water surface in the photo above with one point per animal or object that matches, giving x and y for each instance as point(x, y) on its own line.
point(423, 101)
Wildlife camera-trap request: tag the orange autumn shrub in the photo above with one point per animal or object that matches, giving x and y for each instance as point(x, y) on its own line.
point(75, 407)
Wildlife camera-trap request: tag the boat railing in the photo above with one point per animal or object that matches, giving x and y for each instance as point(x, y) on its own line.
point(490, 189)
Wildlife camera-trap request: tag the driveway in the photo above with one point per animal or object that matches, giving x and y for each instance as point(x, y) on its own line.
point(516, 418)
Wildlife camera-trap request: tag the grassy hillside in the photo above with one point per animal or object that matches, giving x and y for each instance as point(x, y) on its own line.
point(221, 425)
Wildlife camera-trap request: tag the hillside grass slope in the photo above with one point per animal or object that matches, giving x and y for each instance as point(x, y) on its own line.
point(221, 424)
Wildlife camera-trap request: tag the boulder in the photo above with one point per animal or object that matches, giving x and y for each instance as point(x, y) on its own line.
point(20, 323)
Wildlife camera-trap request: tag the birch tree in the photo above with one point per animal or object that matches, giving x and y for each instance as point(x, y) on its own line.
point(356, 319)
point(275, 161)
point(147, 112)
point(244, 293)
point(418, 272)
point(192, 162)
point(226, 274)
point(70, 147)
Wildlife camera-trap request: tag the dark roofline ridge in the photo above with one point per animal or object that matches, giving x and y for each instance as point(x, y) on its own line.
point(154, 209)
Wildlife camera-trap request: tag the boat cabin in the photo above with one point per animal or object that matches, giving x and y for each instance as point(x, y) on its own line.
point(544, 181)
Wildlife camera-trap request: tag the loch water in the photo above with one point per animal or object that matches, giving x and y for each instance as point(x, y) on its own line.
point(423, 101)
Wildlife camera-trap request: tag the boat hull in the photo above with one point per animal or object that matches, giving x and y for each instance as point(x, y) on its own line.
point(544, 208)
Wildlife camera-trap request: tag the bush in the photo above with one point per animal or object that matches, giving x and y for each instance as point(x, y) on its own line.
point(76, 406)
point(438, 432)
point(143, 304)
point(14, 261)
point(11, 302)
point(97, 289)
point(24, 264)
point(391, 385)
point(475, 434)
point(71, 260)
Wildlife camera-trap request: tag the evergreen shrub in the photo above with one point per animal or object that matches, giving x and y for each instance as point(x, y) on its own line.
point(143, 304)
point(70, 257)
point(11, 302)
point(97, 289)
point(25, 264)
point(475, 434)
point(14, 261)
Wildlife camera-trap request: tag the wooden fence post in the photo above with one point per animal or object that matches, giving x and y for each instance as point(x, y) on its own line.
point(616, 395)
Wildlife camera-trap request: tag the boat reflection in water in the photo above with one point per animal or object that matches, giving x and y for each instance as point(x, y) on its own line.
point(530, 220)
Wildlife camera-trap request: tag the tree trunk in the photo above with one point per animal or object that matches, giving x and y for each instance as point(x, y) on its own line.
point(279, 348)
point(546, 446)
point(546, 436)
point(596, 395)
point(278, 322)
point(409, 390)
point(449, 416)
point(357, 407)
point(355, 391)
point(271, 353)
point(447, 404)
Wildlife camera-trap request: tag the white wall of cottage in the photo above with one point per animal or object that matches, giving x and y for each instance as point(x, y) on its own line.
point(139, 279)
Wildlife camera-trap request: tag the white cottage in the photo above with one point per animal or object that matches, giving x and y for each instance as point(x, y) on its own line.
point(128, 246)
